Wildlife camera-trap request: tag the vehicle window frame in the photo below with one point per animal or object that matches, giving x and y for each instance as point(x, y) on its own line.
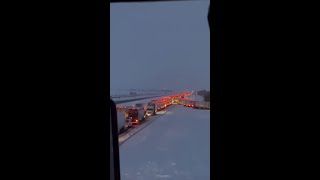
point(114, 143)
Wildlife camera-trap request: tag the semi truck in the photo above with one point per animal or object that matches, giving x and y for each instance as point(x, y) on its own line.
point(168, 101)
point(162, 104)
point(141, 105)
point(152, 108)
point(136, 114)
point(175, 100)
point(186, 102)
point(124, 121)
point(181, 101)
point(121, 118)
point(189, 103)
point(201, 105)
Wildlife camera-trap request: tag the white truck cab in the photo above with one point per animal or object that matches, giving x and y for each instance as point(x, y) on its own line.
point(151, 109)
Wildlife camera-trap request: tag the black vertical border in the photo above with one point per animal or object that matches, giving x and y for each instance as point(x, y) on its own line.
point(115, 140)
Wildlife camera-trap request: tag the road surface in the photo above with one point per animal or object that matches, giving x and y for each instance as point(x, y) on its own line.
point(176, 146)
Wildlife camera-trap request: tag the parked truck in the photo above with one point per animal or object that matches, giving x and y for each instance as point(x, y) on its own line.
point(142, 105)
point(168, 101)
point(175, 100)
point(124, 121)
point(181, 101)
point(121, 118)
point(151, 109)
point(136, 114)
point(189, 103)
point(162, 104)
point(201, 105)
point(158, 104)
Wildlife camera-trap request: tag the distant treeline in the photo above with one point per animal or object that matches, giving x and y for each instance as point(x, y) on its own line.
point(205, 94)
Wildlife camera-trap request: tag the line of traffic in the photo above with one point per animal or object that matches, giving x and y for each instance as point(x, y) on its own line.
point(132, 119)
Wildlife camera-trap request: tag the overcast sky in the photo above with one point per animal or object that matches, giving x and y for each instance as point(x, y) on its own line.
point(160, 45)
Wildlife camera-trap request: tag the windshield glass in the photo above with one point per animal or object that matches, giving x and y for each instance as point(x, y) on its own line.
point(160, 51)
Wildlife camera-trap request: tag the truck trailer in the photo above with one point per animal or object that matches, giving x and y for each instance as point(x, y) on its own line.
point(141, 105)
point(201, 105)
point(152, 108)
point(121, 119)
point(136, 114)
point(181, 101)
point(188, 103)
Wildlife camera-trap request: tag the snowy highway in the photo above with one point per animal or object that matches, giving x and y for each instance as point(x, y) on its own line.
point(123, 137)
point(172, 145)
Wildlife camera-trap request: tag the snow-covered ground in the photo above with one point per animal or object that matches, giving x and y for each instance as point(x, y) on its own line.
point(175, 146)
point(129, 98)
point(132, 103)
point(126, 93)
point(123, 98)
